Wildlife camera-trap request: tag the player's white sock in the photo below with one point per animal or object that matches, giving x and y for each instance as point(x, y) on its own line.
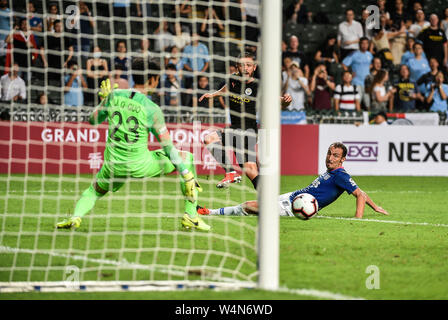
point(229, 211)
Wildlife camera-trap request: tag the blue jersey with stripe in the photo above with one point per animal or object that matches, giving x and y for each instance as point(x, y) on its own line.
point(328, 187)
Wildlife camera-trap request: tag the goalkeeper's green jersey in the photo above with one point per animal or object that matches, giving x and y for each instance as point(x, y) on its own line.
point(131, 116)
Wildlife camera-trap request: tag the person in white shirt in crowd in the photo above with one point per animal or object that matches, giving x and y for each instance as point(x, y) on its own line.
point(13, 87)
point(419, 24)
point(347, 97)
point(296, 85)
point(164, 38)
point(349, 33)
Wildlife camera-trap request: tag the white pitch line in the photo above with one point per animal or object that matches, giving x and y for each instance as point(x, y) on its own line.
point(319, 294)
point(303, 292)
point(386, 221)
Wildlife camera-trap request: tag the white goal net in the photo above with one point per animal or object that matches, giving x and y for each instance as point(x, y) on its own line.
point(53, 57)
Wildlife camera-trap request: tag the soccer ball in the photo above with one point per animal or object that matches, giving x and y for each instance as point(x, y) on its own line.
point(304, 206)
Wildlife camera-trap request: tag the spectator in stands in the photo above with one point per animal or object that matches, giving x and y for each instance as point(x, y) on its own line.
point(24, 48)
point(250, 15)
point(52, 17)
point(366, 28)
point(381, 4)
point(407, 91)
point(12, 86)
point(359, 61)
point(380, 118)
point(376, 66)
point(42, 99)
point(381, 44)
point(381, 96)
point(347, 97)
point(321, 86)
point(145, 10)
point(327, 53)
point(409, 53)
point(296, 55)
point(418, 65)
point(97, 70)
point(211, 25)
point(171, 87)
point(444, 21)
point(143, 52)
point(181, 37)
point(425, 81)
point(284, 46)
point(296, 12)
point(58, 53)
point(349, 34)
point(296, 85)
point(203, 87)
point(36, 23)
point(74, 84)
point(164, 38)
point(117, 79)
point(399, 16)
point(5, 20)
point(174, 57)
point(122, 57)
point(436, 97)
point(5, 29)
point(195, 58)
point(434, 41)
point(413, 6)
point(419, 24)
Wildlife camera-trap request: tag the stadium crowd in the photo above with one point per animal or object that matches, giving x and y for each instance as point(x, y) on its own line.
point(395, 62)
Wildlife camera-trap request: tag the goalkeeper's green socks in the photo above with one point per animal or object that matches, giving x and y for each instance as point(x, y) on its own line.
point(87, 201)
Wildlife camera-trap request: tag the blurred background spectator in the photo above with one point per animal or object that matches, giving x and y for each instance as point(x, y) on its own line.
point(296, 85)
point(381, 97)
point(321, 86)
point(349, 34)
point(407, 92)
point(434, 41)
point(436, 97)
point(97, 70)
point(12, 86)
point(347, 97)
point(74, 85)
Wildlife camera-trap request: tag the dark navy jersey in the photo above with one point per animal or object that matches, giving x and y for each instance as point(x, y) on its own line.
point(328, 187)
point(242, 103)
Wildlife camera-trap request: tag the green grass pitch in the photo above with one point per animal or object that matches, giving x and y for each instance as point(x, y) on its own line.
point(330, 253)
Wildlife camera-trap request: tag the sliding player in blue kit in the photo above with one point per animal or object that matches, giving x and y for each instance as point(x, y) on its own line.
point(326, 189)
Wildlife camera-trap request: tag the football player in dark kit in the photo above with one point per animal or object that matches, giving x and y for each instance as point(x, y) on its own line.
point(242, 90)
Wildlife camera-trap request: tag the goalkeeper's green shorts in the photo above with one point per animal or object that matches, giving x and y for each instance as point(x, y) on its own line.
point(113, 175)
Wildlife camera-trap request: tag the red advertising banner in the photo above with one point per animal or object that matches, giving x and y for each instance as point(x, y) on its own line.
point(77, 148)
point(300, 145)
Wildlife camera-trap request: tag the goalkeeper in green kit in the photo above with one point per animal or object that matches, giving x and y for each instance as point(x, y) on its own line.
point(132, 116)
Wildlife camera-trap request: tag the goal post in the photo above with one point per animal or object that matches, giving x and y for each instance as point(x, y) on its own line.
point(269, 148)
point(132, 239)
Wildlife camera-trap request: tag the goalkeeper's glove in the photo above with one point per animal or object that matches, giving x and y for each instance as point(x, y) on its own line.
point(190, 185)
point(106, 88)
